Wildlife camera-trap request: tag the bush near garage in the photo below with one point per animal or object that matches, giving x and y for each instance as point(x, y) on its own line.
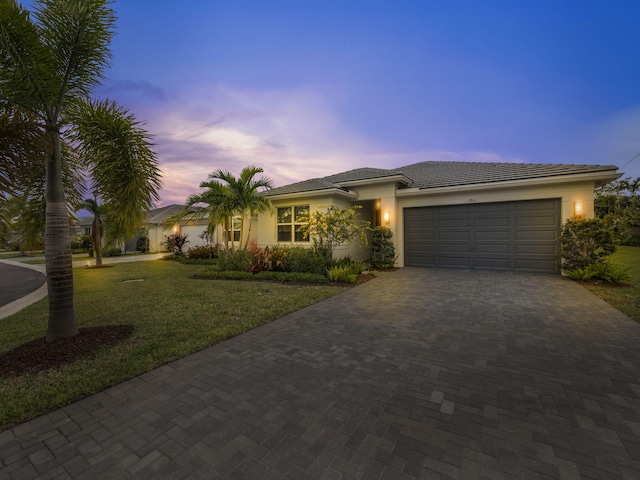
point(585, 242)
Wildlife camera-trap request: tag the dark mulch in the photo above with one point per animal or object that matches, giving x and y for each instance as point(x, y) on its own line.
point(38, 355)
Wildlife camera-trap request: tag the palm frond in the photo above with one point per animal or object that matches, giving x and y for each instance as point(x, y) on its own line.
point(123, 168)
point(76, 35)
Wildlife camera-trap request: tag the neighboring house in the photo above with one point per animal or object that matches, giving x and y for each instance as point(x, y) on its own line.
point(158, 234)
point(450, 214)
point(82, 226)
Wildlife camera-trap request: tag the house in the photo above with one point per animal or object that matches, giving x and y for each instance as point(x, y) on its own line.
point(449, 214)
point(82, 226)
point(158, 233)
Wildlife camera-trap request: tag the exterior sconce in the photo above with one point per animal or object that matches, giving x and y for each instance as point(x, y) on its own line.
point(175, 229)
point(578, 209)
point(386, 217)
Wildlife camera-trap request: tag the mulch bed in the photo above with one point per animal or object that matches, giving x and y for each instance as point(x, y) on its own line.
point(38, 355)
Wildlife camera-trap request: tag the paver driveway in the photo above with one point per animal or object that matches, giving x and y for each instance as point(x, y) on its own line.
point(417, 374)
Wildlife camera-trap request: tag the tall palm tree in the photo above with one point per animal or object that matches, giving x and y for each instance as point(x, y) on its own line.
point(52, 59)
point(98, 211)
point(245, 195)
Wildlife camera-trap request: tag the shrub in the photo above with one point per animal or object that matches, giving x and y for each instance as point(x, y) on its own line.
point(142, 244)
point(81, 243)
point(585, 242)
point(304, 260)
point(111, 252)
point(357, 267)
point(334, 226)
point(237, 261)
point(177, 242)
point(609, 272)
point(341, 274)
point(383, 253)
point(580, 274)
point(204, 251)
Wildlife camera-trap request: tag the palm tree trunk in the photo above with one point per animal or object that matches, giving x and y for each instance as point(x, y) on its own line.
point(241, 243)
point(57, 250)
point(97, 239)
point(246, 244)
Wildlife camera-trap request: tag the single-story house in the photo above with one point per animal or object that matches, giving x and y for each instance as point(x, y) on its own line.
point(450, 214)
point(442, 214)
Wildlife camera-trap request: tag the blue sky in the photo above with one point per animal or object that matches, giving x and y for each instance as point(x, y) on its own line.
point(311, 88)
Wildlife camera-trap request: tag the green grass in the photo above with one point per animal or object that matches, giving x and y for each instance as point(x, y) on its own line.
point(625, 298)
point(173, 314)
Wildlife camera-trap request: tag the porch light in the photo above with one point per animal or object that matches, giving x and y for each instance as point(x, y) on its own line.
point(386, 217)
point(578, 209)
point(175, 228)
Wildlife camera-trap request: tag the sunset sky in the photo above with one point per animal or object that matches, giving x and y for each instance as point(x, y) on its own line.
point(310, 88)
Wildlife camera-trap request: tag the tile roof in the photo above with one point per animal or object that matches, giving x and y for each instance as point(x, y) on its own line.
point(159, 215)
point(425, 175)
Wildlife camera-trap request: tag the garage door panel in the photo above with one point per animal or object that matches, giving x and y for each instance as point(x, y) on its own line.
point(449, 248)
point(492, 248)
point(538, 221)
point(501, 263)
point(453, 222)
point(520, 235)
point(454, 235)
point(488, 235)
point(540, 235)
point(419, 224)
point(536, 249)
point(491, 222)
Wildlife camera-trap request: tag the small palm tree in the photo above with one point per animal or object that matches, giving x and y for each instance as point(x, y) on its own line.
point(52, 59)
point(245, 197)
point(220, 203)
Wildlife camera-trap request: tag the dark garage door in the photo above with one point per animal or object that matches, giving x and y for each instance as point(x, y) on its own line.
point(507, 235)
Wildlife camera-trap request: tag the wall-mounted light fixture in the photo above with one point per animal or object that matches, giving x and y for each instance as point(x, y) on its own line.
point(386, 217)
point(175, 228)
point(578, 209)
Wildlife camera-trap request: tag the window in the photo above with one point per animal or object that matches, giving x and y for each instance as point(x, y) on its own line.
point(234, 233)
point(290, 221)
point(87, 230)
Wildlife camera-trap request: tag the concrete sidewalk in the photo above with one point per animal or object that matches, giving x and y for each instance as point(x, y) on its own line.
point(419, 374)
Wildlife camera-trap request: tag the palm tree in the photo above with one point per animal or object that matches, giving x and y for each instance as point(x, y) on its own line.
point(216, 204)
point(51, 62)
point(97, 226)
point(220, 203)
point(245, 197)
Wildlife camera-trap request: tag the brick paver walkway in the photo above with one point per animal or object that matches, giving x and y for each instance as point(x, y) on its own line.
point(432, 374)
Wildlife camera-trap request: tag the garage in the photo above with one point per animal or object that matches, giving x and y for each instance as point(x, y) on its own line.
point(516, 236)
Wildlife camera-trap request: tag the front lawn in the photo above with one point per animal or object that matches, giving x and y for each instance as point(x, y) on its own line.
point(625, 298)
point(173, 315)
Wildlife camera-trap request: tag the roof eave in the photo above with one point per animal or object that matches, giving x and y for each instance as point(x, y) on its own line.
point(398, 178)
point(314, 193)
point(600, 178)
